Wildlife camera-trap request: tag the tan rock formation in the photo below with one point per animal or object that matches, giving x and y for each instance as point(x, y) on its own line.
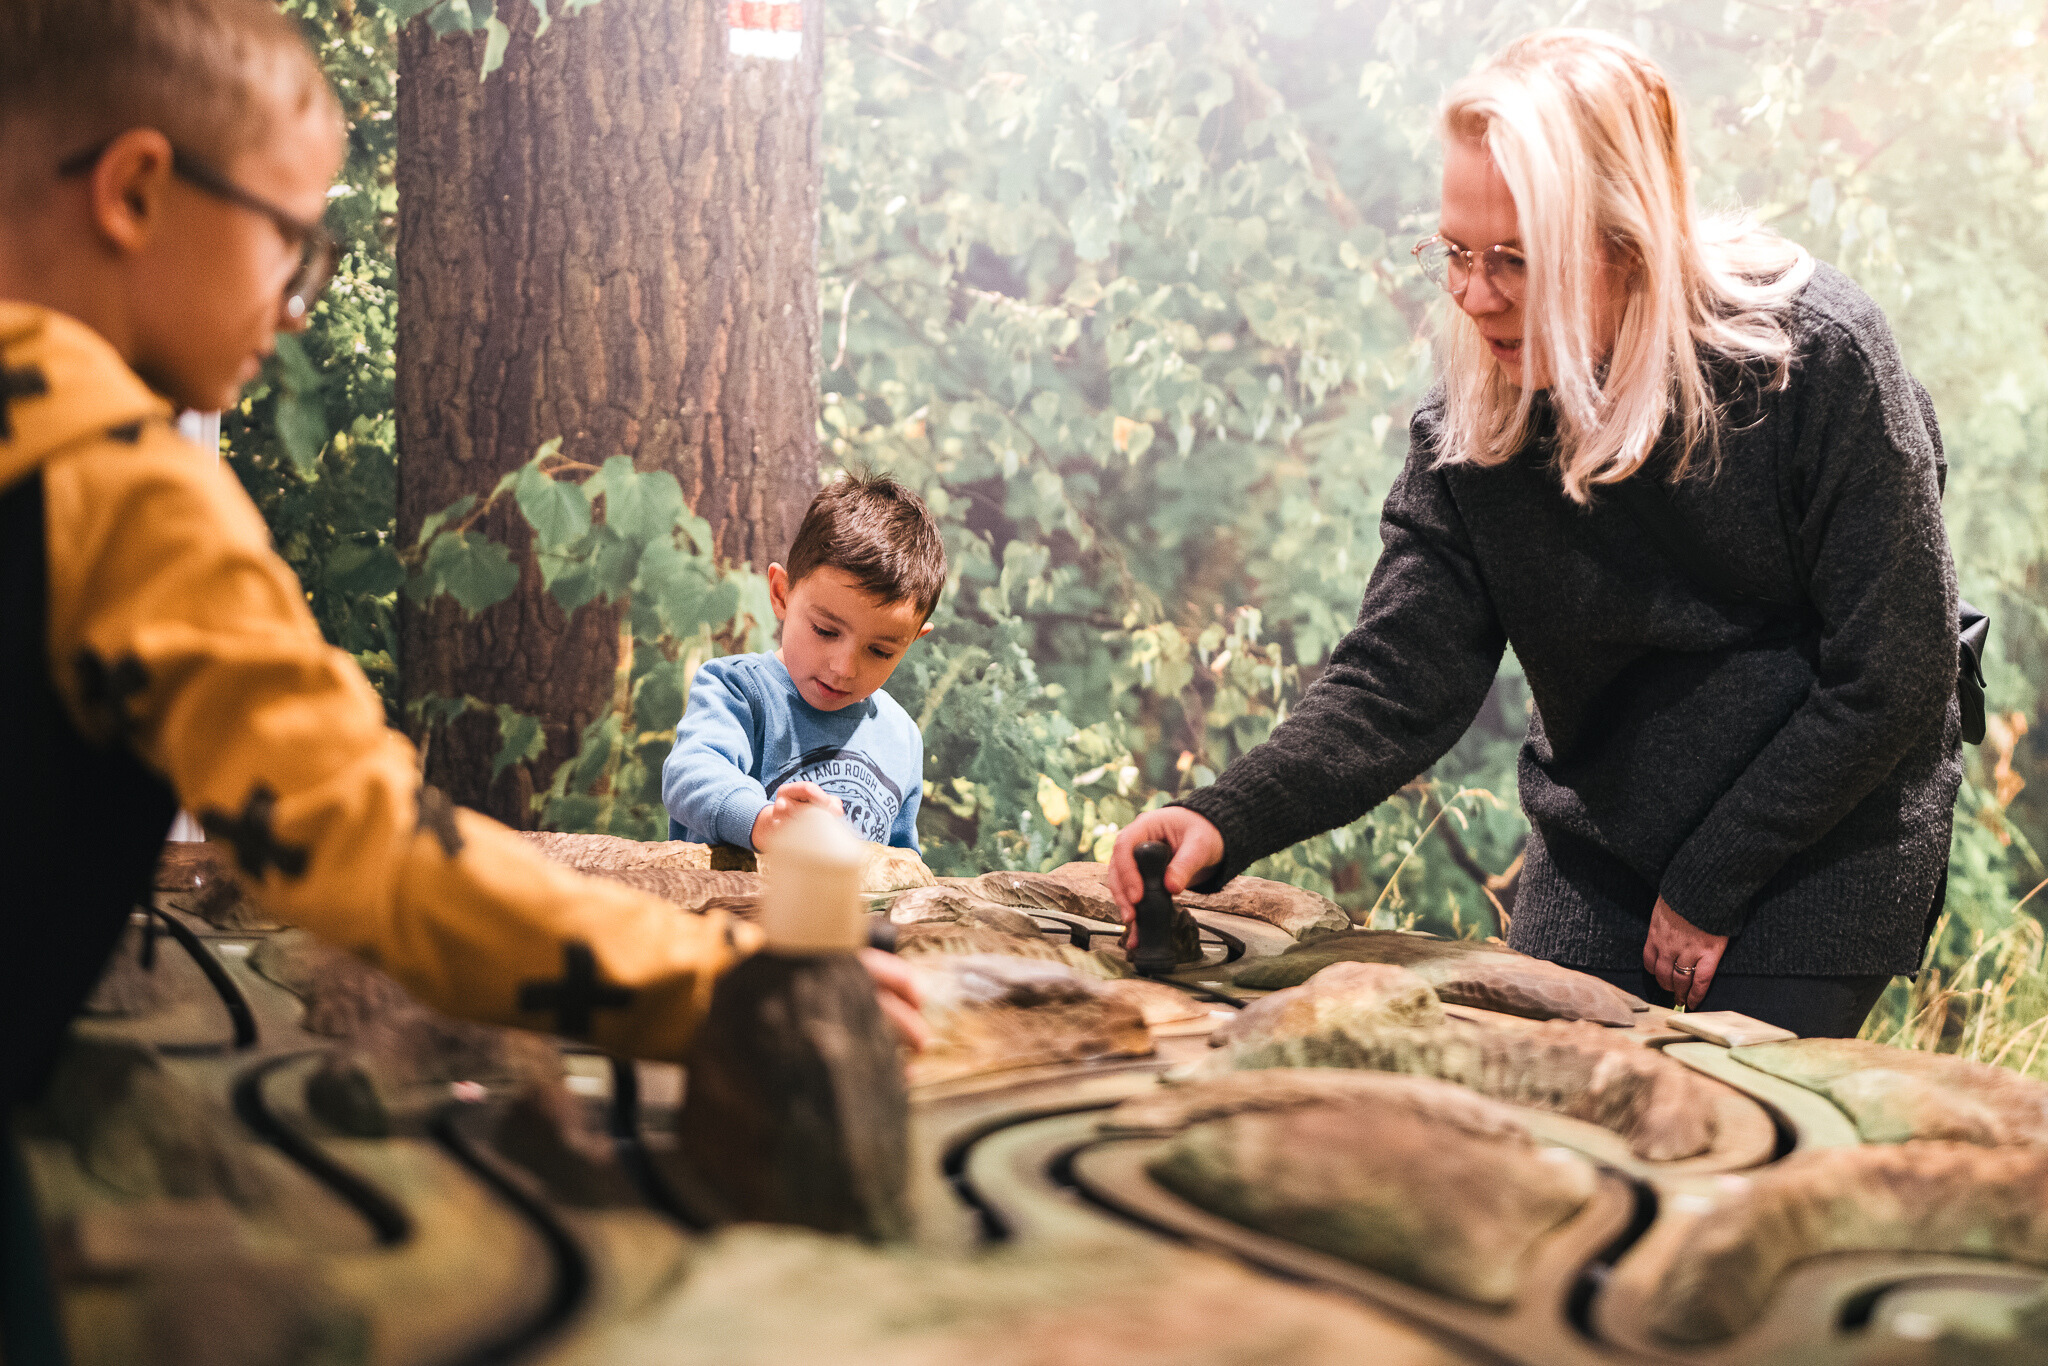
point(1404, 1193)
point(1580, 1070)
point(1896, 1094)
point(995, 1012)
point(1950, 1198)
point(1463, 972)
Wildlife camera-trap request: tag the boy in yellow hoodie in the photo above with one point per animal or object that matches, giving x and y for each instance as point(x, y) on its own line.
point(163, 169)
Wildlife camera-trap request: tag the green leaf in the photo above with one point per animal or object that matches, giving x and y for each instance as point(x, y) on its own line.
point(643, 508)
point(302, 428)
point(372, 569)
point(520, 739)
point(474, 570)
point(497, 38)
point(557, 510)
point(454, 512)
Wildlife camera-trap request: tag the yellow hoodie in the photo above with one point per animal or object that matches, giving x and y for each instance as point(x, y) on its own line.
point(173, 627)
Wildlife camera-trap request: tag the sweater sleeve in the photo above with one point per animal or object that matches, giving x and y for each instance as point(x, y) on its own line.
point(175, 628)
point(1397, 692)
point(1882, 582)
point(707, 781)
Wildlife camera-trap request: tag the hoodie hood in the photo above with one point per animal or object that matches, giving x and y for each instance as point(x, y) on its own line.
point(60, 383)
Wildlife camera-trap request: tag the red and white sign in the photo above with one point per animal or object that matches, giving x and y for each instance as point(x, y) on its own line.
point(773, 29)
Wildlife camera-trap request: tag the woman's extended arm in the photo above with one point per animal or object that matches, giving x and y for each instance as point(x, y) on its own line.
point(1397, 693)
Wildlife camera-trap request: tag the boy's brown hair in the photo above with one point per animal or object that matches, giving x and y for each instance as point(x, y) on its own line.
point(197, 71)
point(880, 533)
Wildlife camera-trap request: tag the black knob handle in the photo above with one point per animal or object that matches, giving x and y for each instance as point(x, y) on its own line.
point(1152, 954)
point(881, 933)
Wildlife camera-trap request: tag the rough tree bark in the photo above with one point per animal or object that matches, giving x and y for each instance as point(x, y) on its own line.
point(612, 240)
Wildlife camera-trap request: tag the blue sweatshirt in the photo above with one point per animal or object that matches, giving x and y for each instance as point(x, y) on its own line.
point(747, 731)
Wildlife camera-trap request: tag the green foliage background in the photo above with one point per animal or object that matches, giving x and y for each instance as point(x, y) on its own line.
point(1124, 291)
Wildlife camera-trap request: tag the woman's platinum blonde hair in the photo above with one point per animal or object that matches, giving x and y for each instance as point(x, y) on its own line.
point(1583, 128)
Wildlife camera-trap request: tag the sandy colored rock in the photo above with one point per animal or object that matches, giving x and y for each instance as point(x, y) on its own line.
point(1897, 1094)
point(1952, 1198)
point(1580, 1070)
point(1463, 971)
point(939, 905)
point(610, 853)
point(1119, 1302)
point(1159, 1003)
point(958, 937)
point(1172, 1108)
point(1402, 1193)
point(996, 1012)
point(1298, 911)
point(674, 870)
point(1343, 994)
point(1056, 891)
point(890, 869)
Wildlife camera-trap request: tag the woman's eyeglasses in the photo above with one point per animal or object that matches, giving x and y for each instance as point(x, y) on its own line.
point(318, 252)
point(1450, 265)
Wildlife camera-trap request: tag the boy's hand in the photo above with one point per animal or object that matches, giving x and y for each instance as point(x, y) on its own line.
point(787, 799)
point(896, 992)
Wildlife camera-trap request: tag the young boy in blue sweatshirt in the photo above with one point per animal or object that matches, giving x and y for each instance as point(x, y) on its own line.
point(809, 724)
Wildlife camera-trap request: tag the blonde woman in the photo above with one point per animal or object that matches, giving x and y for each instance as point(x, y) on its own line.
point(1738, 800)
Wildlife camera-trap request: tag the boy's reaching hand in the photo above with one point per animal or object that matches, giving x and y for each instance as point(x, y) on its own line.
point(896, 991)
point(787, 799)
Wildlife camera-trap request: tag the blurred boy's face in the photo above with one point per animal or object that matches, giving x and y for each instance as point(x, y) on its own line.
point(209, 277)
point(839, 642)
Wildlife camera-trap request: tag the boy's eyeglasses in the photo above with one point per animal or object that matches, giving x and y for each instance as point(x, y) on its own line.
point(318, 252)
point(1450, 265)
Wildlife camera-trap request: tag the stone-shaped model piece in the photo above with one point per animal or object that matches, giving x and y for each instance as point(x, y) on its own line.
point(392, 1042)
point(198, 878)
point(671, 869)
point(976, 936)
point(689, 875)
point(1580, 1070)
point(794, 1109)
point(1466, 972)
point(945, 905)
point(1174, 1107)
point(1297, 910)
point(1951, 1198)
point(1339, 995)
point(996, 1012)
point(1453, 1202)
point(1896, 1094)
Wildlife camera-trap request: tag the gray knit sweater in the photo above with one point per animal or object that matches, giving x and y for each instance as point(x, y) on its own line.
point(1784, 776)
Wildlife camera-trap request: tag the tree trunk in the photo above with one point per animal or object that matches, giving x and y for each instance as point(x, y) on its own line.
point(613, 240)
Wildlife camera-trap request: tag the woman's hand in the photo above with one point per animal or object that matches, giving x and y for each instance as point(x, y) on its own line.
point(896, 993)
point(788, 798)
point(1197, 846)
point(1682, 957)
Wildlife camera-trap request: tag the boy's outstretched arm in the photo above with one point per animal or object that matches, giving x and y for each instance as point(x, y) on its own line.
point(174, 626)
point(706, 782)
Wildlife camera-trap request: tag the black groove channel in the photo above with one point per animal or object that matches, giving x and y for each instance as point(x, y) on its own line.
point(572, 1267)
point(390, 1223)
point(631, 1149)
point(1592, 1278)
point(230, 995)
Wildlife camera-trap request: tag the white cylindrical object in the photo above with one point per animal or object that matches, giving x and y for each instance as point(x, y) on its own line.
point(810, 901)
